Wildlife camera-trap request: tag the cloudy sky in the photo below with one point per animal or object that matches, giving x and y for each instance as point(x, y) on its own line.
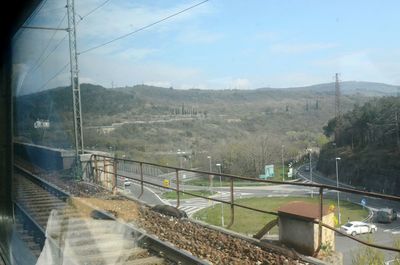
point(221, 44)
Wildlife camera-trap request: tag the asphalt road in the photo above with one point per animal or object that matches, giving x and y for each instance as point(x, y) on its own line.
point(386, 234)
point(134, 191)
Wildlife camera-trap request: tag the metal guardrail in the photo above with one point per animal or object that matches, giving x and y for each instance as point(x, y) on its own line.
point(96, 159)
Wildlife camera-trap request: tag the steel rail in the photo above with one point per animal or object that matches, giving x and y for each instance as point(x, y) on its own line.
point(152, 243)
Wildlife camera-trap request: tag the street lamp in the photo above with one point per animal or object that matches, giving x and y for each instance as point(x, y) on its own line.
point(222, 204)
point(180, 155)
point(123, 161)
point(283, 166)
point(310, 157)
point(210, 177)
point(337, 185)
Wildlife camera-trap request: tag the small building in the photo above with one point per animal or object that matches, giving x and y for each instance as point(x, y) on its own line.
point(298, 230)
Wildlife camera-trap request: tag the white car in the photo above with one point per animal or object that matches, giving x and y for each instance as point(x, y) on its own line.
point(127, 183)
point(355, 228)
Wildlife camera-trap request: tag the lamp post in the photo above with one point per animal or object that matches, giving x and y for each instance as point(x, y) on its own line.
point(337, 185)
point(210, 176)
point(283, 165)
point(311, 177)
point(180, 155)
point(190, 162)
point(222, 204)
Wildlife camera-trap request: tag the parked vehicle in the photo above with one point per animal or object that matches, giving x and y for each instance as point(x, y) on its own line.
point(355, 228)
point(386, 215)
point(127, 183)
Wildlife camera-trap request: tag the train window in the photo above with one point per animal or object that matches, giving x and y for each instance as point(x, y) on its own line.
point(185, 132)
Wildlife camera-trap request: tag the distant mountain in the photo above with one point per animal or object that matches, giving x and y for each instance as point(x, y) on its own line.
point(230, 124)
point(143, 99)
point(347, 88)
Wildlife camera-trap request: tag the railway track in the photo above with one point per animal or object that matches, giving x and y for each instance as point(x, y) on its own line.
point(53, 228)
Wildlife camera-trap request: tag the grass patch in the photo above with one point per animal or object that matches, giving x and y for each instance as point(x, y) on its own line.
point(224, 183)
point(250, 222)
point(172, 194)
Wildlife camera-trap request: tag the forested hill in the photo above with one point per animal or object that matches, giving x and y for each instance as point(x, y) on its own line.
point(244, 128)
point(95, 99)
point(348, 88)
point(368, 143)
point(206, 96)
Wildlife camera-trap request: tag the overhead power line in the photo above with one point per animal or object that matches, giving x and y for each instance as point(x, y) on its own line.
point(60, 42)
point(48, 44)
point(143, 28)
point(34, 14)
point(30, 18)
point(53, 50)
point(53, 77)
point(94, 10)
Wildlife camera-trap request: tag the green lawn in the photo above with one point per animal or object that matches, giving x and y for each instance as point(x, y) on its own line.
point(250, 222)
point(224, 183)
point(204, 182)
point(173, 195)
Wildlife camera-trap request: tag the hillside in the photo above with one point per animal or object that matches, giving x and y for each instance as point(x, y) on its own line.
point(349, 88)
point(244, 129)
point(368, 142)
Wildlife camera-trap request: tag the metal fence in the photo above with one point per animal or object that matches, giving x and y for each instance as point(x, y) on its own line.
point(99, 166)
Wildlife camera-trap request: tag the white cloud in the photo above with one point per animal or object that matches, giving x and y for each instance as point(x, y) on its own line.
point(284, 48)
point(121, 17)
point(106, 70)
point(367, 65)
point(227, 82)
point(193, 36)
point(294, 79)
point(159, 83)
point(241, 83)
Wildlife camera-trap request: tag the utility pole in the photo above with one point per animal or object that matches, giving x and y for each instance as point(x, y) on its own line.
point(337, 107)
point(210, 177)
point(397, 130)
point(76, 92)
point(283, 165)
point(222, 204)
point(337, 185)
point(311, 176)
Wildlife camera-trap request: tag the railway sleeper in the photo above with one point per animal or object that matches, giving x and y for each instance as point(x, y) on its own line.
point(32, 200)
point(44, 202)
point(108, 246)
point(93, 239)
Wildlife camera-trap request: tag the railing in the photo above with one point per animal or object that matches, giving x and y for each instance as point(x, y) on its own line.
point(100, 162)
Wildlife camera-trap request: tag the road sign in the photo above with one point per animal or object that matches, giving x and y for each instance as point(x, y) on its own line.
point(166, 183)
point(363, 202)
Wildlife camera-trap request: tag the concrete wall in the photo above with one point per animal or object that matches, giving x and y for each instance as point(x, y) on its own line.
point(103, 169)
point(44, 157)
